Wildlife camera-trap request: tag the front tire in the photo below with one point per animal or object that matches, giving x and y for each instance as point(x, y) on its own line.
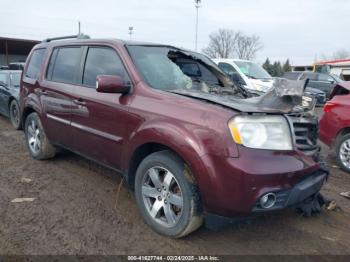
point(15, 116)
point(37, 143)
point(168, 201)
point(343, 152)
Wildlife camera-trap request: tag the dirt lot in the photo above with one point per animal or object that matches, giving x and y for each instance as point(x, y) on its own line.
point(74, 213)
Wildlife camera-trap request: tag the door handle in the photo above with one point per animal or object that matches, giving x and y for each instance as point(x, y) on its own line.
point(79, 101)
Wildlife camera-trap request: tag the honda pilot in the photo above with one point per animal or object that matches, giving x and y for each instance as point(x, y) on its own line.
point(191, 145)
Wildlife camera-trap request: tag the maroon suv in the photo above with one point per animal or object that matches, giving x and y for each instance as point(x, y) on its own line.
point(189, 143)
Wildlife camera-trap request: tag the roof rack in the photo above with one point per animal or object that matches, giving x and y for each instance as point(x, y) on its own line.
point(80, 36)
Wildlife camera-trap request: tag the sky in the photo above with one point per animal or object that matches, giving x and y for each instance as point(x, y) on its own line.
point(301, 30)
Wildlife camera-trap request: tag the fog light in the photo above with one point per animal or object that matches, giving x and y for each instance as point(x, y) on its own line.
point(268, 200)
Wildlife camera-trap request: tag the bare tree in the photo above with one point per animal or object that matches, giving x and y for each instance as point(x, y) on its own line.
point(248, 46)
point(341, 54)
point(226, 43)
point(222, 43)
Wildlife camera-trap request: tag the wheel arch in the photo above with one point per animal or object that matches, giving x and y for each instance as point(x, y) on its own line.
point(144, 150)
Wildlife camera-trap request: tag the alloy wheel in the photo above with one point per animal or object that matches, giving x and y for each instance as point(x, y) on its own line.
point(34, 137)
point(162, 196)
point(344, 153)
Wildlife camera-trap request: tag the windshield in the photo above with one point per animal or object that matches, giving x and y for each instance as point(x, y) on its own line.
point(15, 79)
point(252, 70)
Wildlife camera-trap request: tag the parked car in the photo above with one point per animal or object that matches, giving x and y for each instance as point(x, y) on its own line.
point(9, 96)
point(320, 96)
point(335, 124)
point(189, 145)
point(324, 82)
point(253, 76)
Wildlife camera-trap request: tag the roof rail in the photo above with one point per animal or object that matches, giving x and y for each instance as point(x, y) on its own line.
point(80, 36)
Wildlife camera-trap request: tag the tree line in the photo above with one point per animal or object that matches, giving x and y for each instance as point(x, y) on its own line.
point(277, 69)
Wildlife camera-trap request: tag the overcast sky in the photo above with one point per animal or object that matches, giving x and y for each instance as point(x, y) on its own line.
point(301, 30)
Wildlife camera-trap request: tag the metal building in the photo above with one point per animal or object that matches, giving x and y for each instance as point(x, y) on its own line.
point(14, 50)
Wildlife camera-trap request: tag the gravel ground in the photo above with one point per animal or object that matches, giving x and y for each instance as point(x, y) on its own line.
point(75, 212)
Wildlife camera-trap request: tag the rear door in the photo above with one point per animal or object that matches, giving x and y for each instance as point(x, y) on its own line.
point(61, 78)
point(99, 120)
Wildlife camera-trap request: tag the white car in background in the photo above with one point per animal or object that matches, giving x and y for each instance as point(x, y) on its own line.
point(247, 73)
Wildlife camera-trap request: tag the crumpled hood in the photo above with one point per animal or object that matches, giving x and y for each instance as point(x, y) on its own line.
point(285, 97)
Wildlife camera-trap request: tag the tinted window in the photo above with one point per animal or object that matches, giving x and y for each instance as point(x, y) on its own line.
point(190, 69)
point(65, 65)
point(291, 75)
point(311, 76)
point(35, 63)
point(102, 61)
point(227, 68)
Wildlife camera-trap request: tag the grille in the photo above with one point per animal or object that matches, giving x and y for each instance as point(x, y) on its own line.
point(305, 129)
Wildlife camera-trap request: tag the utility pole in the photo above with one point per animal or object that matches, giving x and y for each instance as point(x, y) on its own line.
point(79, 31)
point(198, 5)
point(131, 28)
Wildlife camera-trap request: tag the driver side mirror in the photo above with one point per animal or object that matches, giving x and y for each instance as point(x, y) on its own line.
point(111, 84)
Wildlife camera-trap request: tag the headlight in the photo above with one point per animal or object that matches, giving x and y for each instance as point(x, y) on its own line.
point(261, 132)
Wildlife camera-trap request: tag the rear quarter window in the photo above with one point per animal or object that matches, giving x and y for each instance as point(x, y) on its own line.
point(35, 63)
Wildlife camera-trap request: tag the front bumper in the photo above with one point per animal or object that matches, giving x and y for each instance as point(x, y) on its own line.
point(232, 187)
point(291, 198)
point(309, 186)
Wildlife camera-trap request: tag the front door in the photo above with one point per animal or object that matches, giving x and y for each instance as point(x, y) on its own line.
point(99, 120)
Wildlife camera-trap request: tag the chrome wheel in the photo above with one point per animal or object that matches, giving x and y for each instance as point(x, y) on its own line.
point(162, 196)
point(344, 153)
point(34, 137)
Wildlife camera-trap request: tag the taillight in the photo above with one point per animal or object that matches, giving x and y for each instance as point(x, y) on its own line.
point(328, 107)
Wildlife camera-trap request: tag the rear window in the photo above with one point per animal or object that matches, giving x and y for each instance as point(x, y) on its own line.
point(64, 64)
point(35, 63)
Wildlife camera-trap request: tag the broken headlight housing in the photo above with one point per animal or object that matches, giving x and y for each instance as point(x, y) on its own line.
point(262, 132)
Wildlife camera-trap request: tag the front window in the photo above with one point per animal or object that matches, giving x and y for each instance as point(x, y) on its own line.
point(252, 70)
point(168, 68)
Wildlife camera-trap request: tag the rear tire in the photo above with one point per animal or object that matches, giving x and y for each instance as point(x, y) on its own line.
point(168, 201)
point(15, 116)
point(37, 143)
point(343, 152)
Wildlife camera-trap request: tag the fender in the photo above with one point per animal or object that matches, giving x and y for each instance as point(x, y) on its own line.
point(31, 101)
point(183, 141)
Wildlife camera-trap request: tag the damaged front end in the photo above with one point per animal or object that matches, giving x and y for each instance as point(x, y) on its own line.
point(284, 108)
